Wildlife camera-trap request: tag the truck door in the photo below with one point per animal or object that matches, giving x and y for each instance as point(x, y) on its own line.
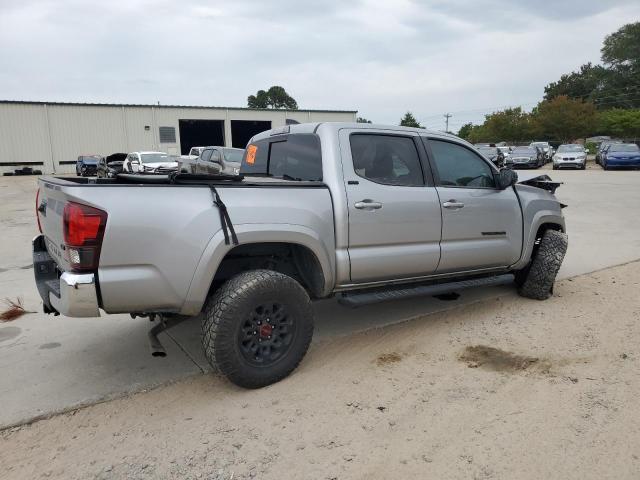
point(393, 207)
point(481, 225)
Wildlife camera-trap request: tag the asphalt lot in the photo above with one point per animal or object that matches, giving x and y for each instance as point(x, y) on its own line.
point(52, 364)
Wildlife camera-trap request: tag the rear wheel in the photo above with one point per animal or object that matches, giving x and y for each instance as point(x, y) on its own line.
point(536, 281)
point(257, 327)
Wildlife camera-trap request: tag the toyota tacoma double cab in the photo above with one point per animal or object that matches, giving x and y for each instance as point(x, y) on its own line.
point(363, 212)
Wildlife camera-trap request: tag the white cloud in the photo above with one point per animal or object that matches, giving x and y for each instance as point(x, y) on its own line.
point(381, 58)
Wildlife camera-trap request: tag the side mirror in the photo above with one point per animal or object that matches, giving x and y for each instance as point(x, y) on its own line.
point(506, 178)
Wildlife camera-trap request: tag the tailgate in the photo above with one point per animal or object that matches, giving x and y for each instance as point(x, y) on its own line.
point(51, 202)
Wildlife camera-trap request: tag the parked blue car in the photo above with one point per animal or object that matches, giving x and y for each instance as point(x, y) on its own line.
point(621, 155)
point(87, 165)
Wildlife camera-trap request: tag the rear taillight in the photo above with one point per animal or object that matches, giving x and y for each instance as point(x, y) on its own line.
point(38, 210)
point(83, 232)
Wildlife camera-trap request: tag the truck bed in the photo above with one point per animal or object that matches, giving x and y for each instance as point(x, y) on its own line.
point(161, 239)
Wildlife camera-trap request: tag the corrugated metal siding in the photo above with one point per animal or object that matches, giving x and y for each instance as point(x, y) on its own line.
point(136, 119)
point(24, 136)
point(54, 133)
point(84, 131)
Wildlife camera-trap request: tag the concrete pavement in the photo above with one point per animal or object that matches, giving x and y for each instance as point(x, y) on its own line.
point(51, 364)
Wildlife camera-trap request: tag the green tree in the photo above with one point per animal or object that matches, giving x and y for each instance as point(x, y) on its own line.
point(621, 123)
point(612, 85)
point(275, 97)
point(465, 130)
point(510, 124)
point(565, 119)
point(409, 121)
point(362, 120)
point(622, 47)
point(581, 84)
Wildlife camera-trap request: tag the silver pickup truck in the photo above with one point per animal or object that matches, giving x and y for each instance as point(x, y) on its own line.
point(363, 212)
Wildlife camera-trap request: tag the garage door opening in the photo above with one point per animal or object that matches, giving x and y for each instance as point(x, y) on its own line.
point(200, 133)
point(243, 130)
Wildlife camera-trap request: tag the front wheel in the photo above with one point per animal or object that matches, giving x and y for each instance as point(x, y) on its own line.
point(257, 327)
point(536, 281)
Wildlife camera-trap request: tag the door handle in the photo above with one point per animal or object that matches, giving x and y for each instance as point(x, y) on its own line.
point(367, 205)
point(453, 205)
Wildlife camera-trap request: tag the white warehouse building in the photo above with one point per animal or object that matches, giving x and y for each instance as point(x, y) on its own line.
point(49, 136)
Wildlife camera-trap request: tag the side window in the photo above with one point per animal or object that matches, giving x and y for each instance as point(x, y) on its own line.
point(206, 155)
point(291, 157)
point(386, 159)
point(215, 156)
point(458, 166)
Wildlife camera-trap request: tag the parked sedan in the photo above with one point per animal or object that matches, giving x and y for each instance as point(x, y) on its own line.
point(150, 162)
point(494, 154)
point(546, 149)
point(570, 156)
point(214, 161)
point(602, 147)
point(621, 155)
point(86, 165)
point(525, 157)
point(111, 165)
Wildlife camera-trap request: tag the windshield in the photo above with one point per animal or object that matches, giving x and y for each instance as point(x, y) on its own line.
point(540, 144)
point(627, 147)
point(570, 148)
point(524, 151)
point(155, 157)
point(233, 154)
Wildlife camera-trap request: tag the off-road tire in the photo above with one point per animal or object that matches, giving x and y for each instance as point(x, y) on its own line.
point(536, 281)
point(225, 314)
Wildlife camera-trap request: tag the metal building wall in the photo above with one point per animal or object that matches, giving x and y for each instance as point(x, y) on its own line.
point(51, 136)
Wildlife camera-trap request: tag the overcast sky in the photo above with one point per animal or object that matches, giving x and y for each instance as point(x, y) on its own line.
point(381, 58)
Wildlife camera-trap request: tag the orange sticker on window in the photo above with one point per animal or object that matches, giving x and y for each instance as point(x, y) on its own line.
point(251, 154)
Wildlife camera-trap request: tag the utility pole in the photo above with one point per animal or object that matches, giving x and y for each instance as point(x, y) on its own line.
point(447, 116)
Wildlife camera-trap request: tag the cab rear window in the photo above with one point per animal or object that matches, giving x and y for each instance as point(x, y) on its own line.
point(290, 157)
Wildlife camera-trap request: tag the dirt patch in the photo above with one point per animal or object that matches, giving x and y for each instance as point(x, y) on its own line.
point(498, 360)
point(388, 358)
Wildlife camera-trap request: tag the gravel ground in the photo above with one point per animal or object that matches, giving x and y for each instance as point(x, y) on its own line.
point(506, 388)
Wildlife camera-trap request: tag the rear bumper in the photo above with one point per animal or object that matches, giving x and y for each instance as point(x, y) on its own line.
point(71, 294)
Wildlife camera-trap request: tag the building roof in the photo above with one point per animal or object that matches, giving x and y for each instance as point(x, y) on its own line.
point(80, 104)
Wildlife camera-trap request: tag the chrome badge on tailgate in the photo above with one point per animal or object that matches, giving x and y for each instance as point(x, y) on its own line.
point(54, 251)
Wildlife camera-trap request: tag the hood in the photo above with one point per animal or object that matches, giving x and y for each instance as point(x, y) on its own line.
point(539, 181)
point(161, 165)
point(116, 158)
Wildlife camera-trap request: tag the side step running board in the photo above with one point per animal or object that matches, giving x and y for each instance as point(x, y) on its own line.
point(357, 299)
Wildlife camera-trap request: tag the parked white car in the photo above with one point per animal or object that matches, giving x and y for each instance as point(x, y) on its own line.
point(150, 162)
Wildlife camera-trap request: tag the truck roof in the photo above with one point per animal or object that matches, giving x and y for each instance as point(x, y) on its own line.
point(335, 126)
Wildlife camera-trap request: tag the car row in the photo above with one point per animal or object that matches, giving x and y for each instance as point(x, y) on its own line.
point(534, 155)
